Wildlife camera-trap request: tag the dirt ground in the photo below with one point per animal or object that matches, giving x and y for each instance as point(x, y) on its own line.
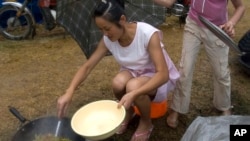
point(35, 72)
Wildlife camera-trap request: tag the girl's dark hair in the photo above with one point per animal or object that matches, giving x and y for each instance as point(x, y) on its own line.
point(111, 10)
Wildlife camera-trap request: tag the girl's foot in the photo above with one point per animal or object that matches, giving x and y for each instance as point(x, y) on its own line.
point(226, 113)
point(124, 125)
point(142, 135)
point(172, 119)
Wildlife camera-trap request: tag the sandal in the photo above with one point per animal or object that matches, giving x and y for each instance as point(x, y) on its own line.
point(124, 125)
point(122, 128)
point(142, 136)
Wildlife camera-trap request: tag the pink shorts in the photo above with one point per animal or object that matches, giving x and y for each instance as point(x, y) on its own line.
point(162, 91)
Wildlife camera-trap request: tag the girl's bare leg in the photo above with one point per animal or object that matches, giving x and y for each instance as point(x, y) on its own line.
point(119, 89)
point(142, 103)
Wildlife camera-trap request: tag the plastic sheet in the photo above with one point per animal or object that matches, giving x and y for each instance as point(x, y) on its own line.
point(213, 128)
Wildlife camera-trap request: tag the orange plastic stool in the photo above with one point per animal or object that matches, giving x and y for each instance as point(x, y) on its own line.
point(158, 109)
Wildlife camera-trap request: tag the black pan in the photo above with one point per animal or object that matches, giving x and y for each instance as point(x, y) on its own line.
point(48, 125)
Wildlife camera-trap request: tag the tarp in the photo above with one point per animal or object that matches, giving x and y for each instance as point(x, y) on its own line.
point(76, 17)
point(216, 128)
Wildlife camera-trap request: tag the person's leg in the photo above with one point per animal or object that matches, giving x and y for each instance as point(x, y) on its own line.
point(119, 83)
point(48, 19)
point(181, 97)
point(119, 89)
point(143, 104)
point(217, 53)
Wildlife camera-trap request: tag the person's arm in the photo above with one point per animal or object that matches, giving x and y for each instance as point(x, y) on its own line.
point(156, 54)
point(166, 3)
point(161, 76)
point(87, 67)
point(64, 101)
point(238, 13)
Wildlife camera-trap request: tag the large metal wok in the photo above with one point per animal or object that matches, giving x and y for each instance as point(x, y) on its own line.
point(48, 125)
point(243, 51)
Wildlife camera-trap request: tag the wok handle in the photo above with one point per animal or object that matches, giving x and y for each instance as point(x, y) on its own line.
point(16, 113)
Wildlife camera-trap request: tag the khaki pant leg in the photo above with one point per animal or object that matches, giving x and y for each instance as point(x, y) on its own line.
point(190, 49)
point(217, 53)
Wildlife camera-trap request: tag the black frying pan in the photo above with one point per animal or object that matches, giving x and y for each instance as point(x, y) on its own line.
point(44, 126)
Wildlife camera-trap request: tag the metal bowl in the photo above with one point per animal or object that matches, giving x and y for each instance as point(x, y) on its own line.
point(98, 120)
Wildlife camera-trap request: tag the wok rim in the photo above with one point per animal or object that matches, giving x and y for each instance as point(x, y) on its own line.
point(28, 130)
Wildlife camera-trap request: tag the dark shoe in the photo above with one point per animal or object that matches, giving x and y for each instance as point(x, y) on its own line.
point(50, 26)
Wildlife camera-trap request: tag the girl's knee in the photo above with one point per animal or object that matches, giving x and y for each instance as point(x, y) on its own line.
point(120, 80)
point(132, 85)
point(118, 84)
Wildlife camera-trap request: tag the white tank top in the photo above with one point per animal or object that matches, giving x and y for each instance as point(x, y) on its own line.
point(134, 56)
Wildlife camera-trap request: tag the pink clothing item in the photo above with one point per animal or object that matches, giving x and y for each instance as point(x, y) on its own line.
point(164, 89)
point(135, 58)
point(214, 10)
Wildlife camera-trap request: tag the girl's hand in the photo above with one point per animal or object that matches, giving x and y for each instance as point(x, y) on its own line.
point(228, 27)
point(127, 100)
point(63, 104)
